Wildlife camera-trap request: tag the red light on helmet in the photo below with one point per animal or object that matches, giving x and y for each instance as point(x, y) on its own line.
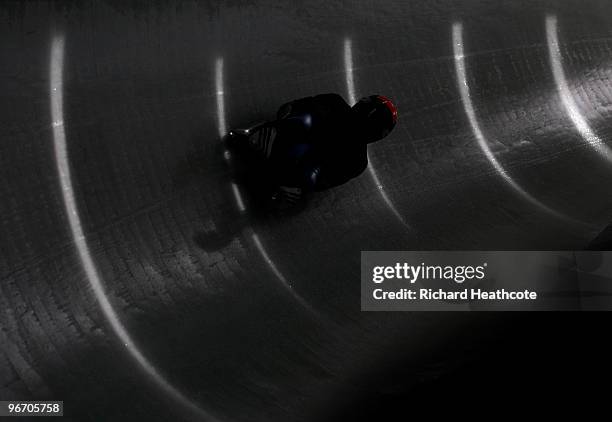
point(390, 106)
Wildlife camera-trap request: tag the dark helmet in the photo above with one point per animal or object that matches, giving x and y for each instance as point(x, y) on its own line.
point(376, 117)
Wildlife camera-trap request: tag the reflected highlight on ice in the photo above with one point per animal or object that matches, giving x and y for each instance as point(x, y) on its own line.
point(468, 106)
point(564, 91)
point(348, 70)
point(280, 275)
point(63, 167)
point(221, 119)
point(222, 126)
point(350, 87)
point(238, 197)
point(219, 85)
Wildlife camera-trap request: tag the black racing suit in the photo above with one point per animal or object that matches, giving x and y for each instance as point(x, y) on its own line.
point(318, 145)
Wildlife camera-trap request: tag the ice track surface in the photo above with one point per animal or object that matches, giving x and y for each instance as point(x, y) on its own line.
point(138, 279)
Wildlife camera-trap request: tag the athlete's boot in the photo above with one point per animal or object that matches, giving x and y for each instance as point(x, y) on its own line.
point(262, 140)
point(259, 138)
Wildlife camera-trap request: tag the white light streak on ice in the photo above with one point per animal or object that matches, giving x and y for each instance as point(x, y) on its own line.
point(220, 90)
point(238, 197)
point(221, 118)
point(350, 87)
point(222, 126)
point(468, 106)
point(56, 66)
point(280, 275)
point(567, 99)
point(348, 70)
